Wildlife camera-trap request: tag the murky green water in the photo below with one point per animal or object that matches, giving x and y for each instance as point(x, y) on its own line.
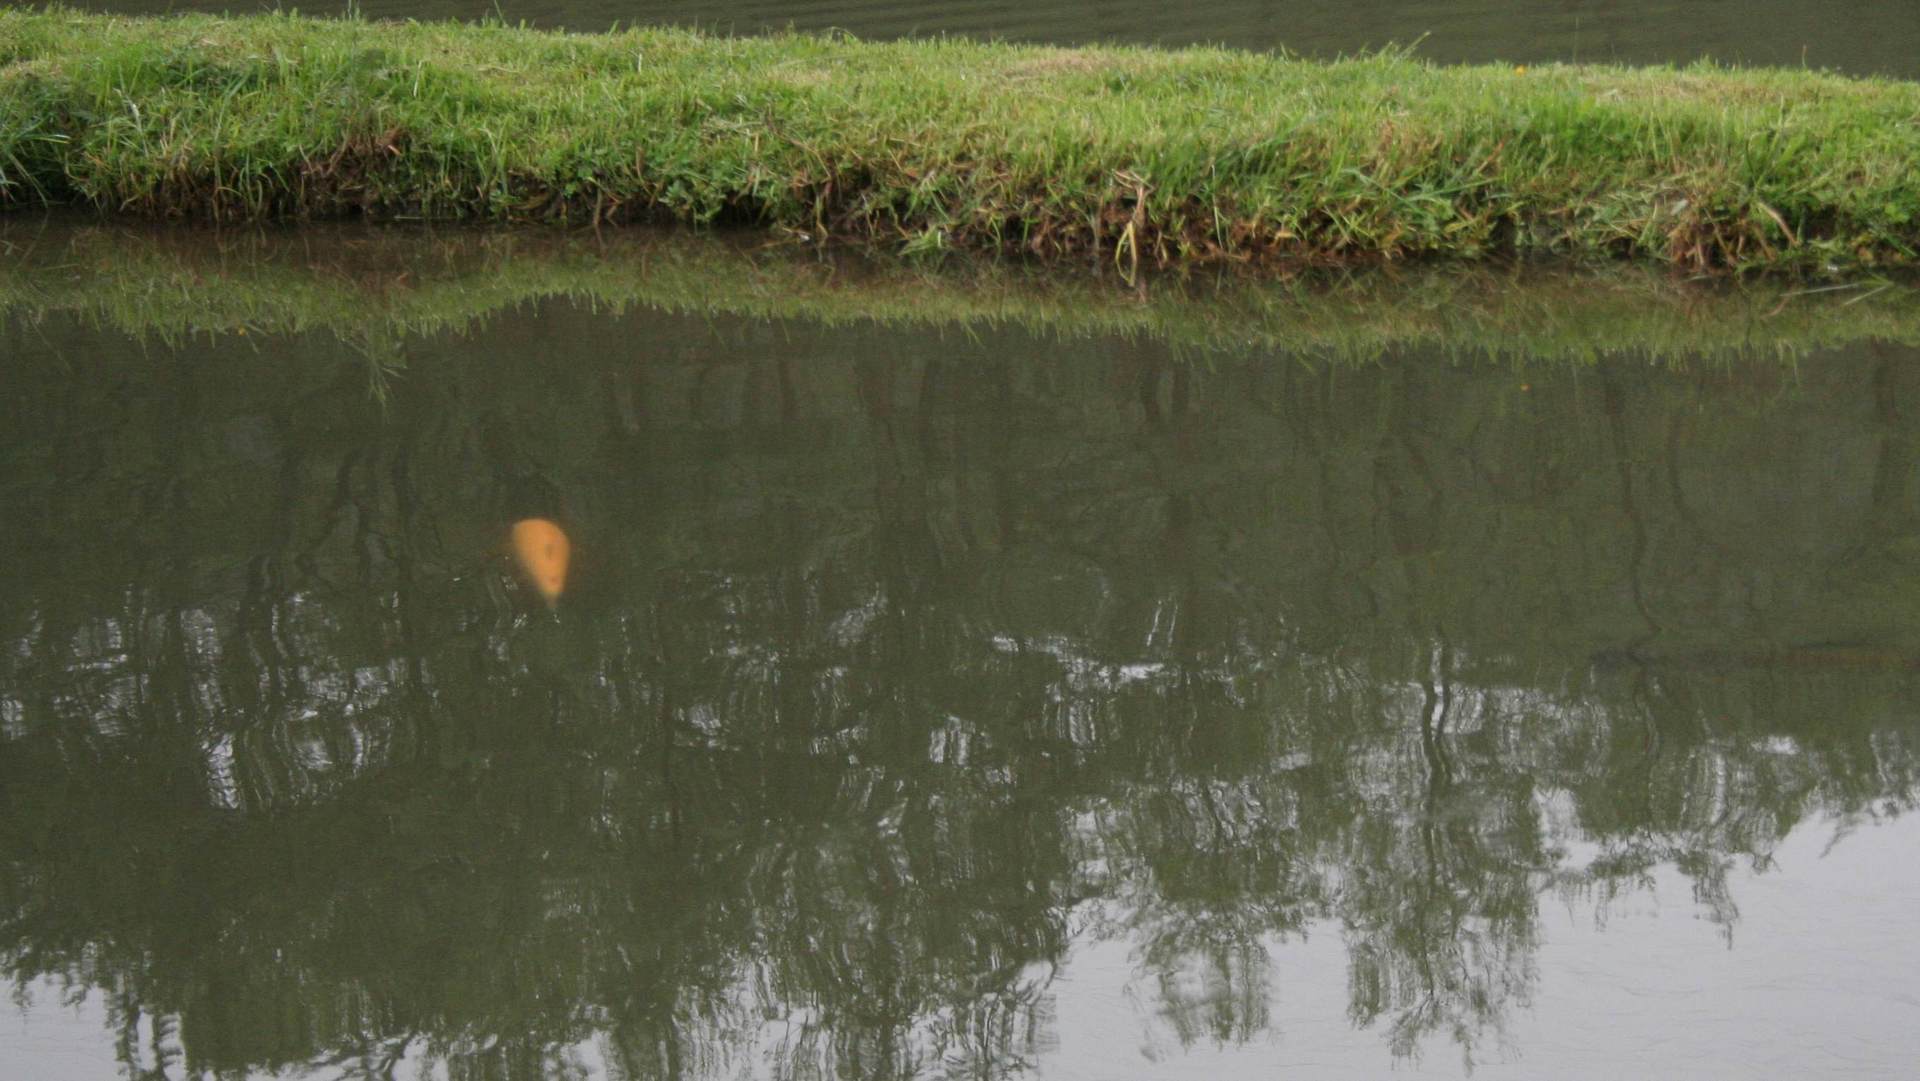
point(1863, 36)
point(943, 698)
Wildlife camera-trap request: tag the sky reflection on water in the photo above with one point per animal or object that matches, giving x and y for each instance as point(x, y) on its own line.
point(951, 703)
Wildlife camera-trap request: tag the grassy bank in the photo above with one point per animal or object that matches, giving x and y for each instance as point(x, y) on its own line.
point(378, 288)
point(1130, 155)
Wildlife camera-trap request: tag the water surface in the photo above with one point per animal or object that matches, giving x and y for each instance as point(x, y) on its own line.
point(1860, 36)
point(987, 697)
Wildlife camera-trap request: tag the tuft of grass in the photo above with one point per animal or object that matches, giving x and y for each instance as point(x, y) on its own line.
point(1123, 155)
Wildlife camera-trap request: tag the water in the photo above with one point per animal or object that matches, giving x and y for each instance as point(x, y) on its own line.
point(1862, 36)
point(928, 697)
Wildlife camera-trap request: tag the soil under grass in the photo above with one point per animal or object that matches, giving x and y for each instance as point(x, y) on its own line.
point(1136, 156)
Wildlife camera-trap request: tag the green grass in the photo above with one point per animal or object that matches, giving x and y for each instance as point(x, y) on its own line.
point(377, 288)
point(1133, 156)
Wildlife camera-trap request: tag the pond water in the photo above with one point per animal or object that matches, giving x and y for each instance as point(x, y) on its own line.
point(1861, 36)
point(430, 657)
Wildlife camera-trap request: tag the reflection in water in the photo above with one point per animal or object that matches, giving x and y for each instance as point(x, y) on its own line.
point(542, 551)
point(913, 663)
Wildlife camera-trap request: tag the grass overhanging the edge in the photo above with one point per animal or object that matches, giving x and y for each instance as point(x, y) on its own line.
point(1133, 155)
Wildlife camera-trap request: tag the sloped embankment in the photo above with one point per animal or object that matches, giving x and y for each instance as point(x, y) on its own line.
point(1139, 156)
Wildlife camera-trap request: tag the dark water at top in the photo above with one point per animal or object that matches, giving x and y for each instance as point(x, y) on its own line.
point(951, 701)
point(1860, 36)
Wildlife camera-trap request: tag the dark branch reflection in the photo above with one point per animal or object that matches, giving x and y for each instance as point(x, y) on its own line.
point(887, 667)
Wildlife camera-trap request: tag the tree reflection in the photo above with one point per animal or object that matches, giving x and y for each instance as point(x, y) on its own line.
point(888, 669)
